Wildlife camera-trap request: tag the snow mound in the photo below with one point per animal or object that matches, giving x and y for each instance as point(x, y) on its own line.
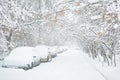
point(42, 51)
point(61, 49)
point(53, 51)
point(20, 56)
point(29, 57)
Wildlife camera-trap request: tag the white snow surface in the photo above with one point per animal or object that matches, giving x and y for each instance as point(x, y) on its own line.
point(20, 56)
point(42, 51)
point(53, 50)
point(71, 65)
point(96, 17)
point(93, 1)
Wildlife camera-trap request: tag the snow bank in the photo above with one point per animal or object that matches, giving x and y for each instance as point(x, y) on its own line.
point(20, 56)
point(53, 51)
point(70, 65)
point(28, 57)
point(42, 51)
point(62, 49)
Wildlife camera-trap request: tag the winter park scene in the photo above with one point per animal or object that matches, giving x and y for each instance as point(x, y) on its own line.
point(59, 39)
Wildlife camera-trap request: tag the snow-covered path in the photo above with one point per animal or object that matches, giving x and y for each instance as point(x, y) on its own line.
point(70, 65)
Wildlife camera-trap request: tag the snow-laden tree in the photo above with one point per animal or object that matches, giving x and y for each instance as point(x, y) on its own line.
point(93, 24)
point(15, 23)
point(102, 30)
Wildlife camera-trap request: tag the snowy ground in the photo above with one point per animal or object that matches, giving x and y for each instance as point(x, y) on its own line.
point(109, 72)
point(70, 65)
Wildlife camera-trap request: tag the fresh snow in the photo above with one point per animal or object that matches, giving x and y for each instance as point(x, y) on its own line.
point(42, 51)
point(71, 65)
point(95, 17)
point(109, 72)
point(116, 26)
point(93, 1)
point(24, 56)
point(20, 57)
point(53, 50)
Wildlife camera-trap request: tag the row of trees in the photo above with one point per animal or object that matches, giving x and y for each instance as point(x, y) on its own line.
point(32, 22)
point(93, 24)
point(103, 37)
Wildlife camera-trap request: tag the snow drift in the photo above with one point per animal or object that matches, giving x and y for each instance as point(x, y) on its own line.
point(21, 57)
